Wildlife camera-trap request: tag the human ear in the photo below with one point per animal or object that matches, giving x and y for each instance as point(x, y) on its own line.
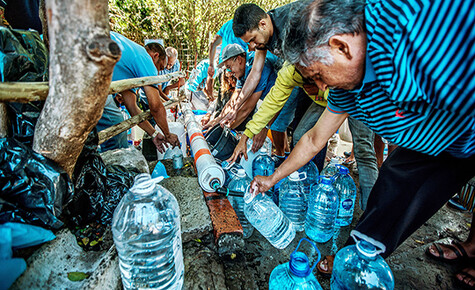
point(262, 24)
point(340, 46)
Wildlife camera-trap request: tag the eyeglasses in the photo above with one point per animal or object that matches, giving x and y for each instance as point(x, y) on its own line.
point(228, 68)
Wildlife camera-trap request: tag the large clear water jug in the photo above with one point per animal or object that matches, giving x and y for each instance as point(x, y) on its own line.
point(346, 189)
point(361, 267)
point(311, 171)
point(293, 199)
point(263, 165)
point(331, 169)
point(147, 234)
point(240, 183)
point(230, 171)
point(322, 211)
point(295, 274)
point(268, 219)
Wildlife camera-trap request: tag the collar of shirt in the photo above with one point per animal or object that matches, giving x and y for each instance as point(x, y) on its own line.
point(369, 76)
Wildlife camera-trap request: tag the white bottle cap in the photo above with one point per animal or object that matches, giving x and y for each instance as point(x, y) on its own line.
point(294, 176)
point(241, 173)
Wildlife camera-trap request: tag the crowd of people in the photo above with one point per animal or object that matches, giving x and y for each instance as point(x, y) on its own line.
point(394, 68)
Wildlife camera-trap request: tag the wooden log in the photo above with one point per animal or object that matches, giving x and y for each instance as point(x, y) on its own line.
point(24, 92)
point(82, 58)
point(4, 121)
point(112, 131)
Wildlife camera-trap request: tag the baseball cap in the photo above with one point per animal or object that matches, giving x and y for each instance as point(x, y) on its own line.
point(231, 50)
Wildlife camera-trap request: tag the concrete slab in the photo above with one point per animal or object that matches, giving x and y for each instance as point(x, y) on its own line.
point(49, 266)
point(195, 218)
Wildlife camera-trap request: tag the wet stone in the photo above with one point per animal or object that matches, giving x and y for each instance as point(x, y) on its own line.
point(195, 218)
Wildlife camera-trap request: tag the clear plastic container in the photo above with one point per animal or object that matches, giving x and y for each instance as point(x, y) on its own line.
point(361, 267)
point(311, 171)
point(147, 234)
point(293, 200)
point(296, 274)
point(241, 183)
point(322, 211)
point(230, 171)
point(263, 165)
point(269, 220)
point(346, 189)
point(331, 169)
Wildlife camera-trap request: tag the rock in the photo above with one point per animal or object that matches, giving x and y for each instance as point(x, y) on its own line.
point(130, 158)
point(195, 219)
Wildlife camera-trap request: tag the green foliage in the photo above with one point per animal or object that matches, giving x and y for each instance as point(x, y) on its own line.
point(186, 25)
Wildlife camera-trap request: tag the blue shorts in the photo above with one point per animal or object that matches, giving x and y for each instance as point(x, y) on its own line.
point(287, 113)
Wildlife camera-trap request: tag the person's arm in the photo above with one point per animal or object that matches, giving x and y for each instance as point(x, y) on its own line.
point(217, 40)
point(157, 109)
point(130, 102)
point(246, 109)
point(308, 146)
point(249, 86)
point(161, 93)
point(179, 83)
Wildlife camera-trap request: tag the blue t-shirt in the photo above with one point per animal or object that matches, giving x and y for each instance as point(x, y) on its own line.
point(268, 76)
point(418, 89)
point(135, 61)
point(198, 76)
point(175, 68)
point(227, 34)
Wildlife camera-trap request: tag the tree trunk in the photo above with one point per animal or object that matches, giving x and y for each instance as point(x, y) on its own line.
point(3, 120)
point(82, 58)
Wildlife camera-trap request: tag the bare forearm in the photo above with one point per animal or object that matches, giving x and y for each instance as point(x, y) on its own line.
point(310, 144)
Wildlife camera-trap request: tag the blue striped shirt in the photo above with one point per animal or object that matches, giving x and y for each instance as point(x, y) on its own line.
point(419, 86)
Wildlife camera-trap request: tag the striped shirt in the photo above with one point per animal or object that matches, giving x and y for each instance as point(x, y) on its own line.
point(419, 86)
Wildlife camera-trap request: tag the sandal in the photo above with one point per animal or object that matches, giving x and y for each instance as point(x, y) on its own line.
point(329, 261)
point(455, 247)
point(464, 279)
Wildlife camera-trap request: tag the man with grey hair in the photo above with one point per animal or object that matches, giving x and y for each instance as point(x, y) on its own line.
point(400, 68)
point(173, 65)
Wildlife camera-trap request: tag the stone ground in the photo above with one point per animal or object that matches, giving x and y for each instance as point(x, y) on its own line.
point(248, 268)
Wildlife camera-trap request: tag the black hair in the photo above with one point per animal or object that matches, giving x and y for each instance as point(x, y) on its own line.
point(156, 47)
point(246, 18)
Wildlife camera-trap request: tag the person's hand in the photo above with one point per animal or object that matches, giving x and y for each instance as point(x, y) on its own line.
point(241, 149)
point(211, 71)
point(172, 139)
point(166, 91)
point(261, 184)
point(311, 89)
point(210, 124)
point(205, 119)
point(229, 119)
point(258, 140)
point(160, 143)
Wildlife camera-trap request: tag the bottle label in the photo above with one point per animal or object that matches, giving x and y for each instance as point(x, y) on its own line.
point(347, 204)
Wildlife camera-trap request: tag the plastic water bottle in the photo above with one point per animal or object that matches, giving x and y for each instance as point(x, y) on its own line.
point(247, 164)
point(311, 171)
point(296, 274)
point(361, 267)
point(346, 189)
point(241, 183)
point(322, 211)
point(263, 165)
point(230, 171)
point(331, 168)
point(147, 234)
point(126, 116)
point(293, 200)
point(268, 219)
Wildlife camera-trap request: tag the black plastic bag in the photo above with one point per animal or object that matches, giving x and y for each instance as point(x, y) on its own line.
point(23, 120)
point(23, 56)
point(98, 188)
point(33, 189)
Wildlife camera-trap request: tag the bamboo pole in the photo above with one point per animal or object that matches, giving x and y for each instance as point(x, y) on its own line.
point(112, 131)
point(24, 92)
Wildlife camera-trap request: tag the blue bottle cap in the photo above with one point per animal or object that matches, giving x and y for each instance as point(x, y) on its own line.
point(326, 180)
point(343, 170)
point(299, 265)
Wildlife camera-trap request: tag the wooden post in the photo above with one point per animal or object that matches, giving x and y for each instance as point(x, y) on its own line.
point(3, 121)
point(82, 58)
